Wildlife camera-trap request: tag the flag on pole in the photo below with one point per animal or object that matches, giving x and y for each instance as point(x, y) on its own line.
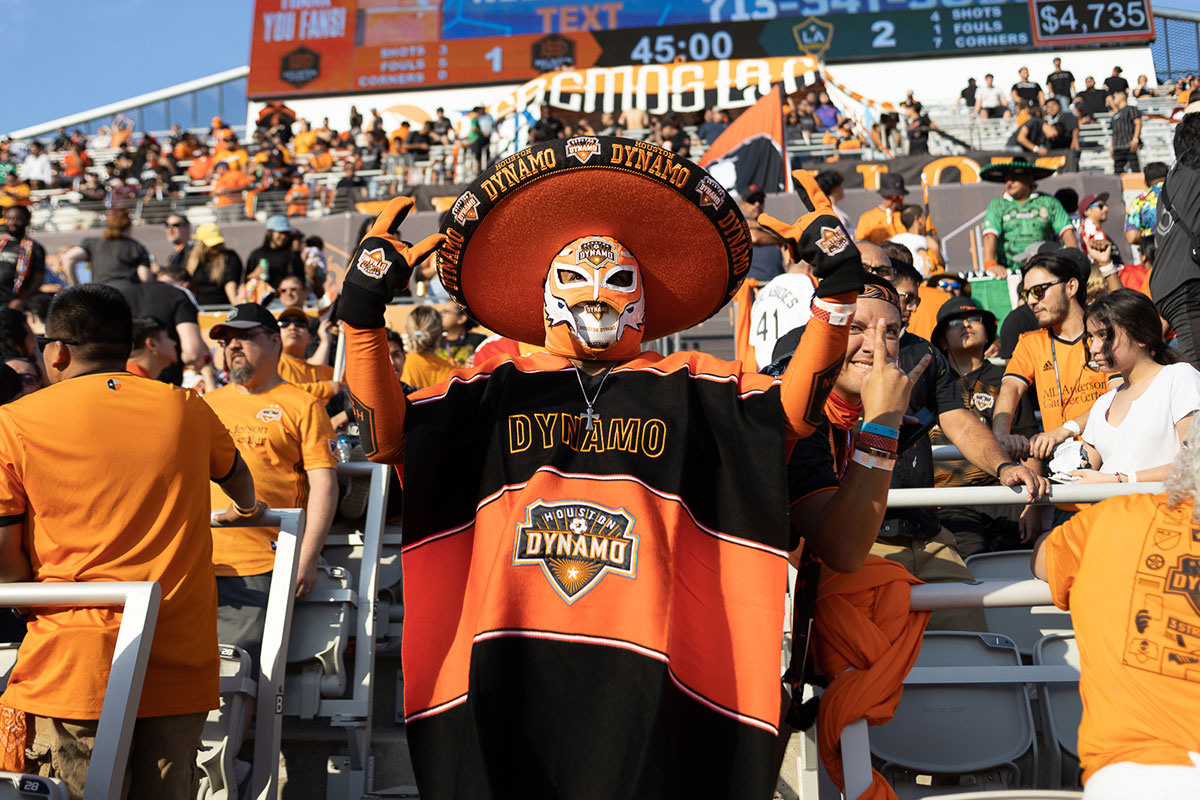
point(752, 151)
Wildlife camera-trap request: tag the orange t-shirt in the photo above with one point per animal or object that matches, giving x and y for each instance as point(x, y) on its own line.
point(200, 168)
point(1128, 570)
point(233, 179)
point(312, 378)
point(281, 433)
point(1033, 362)
point(924, 319)
point(297, 198)
point(425, 369)
point(878, 225)
point(303, 142)
point(109, 474)
point(73, 165)
point(321, 162)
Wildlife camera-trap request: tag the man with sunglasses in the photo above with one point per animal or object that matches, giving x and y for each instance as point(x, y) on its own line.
point(1052, 360)
point(287, 440)
point(1020, 217)
point(312, 375)
point(179, 234)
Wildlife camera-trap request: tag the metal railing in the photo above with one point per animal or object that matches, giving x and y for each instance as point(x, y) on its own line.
point(139, 601)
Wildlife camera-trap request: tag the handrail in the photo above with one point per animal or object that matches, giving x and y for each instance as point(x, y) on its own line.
point(140, 601)
point(1015, 495)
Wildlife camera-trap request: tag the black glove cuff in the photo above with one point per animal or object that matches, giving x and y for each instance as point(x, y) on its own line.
point(360, 307)
point(846, 279)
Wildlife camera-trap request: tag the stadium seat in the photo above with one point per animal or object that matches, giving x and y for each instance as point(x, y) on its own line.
point(14, 786)
point(952, 728)
point(321, 628)
point(1062, 708)
point(8, 660)
point(1019, 794)
point(1024, 625)
point(225, 726)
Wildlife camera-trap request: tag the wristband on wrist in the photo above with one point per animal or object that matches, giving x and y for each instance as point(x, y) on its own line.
point(833, 313)
point(991, 262)
point(873, 462)
point(245, 513)
point(882, 430)
point(1003, 465)
point(1107, 269)
point(875, 451)
point(1131, 477)
point(877, 442)
point(1073, 427)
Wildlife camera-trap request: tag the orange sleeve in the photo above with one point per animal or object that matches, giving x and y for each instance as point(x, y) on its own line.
point(375, 395)
point(1022, 361)
point(810, 374)
point(222, 453)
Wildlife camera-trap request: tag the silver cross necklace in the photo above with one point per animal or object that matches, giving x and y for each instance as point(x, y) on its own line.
point(590, 416)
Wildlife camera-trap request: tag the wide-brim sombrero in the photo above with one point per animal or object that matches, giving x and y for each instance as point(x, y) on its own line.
point(999, 173)
point(686, 232)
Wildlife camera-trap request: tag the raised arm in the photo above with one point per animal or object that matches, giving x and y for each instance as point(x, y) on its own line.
point(819, 238)
point(381, 265)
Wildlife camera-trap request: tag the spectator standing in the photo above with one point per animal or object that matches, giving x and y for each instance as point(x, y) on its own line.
point(547, 127)
point(286, 439)
point(1091, 101)
point(1136, 430)
point(229, 191)
point(765, 259)
point(36, 169)
point(990, 100)
point(924, 248)
point(116, 258)
point(832, 183)
point(963, 334)
point(919, 126)
point(1118, 566)
point(423, 366)
point(155, 528)
point(442, 127)
point(883, 222)
point(297, 196)
point(1126, 127)
point(215, 270)
point(1066, 127)
point(1061, 84)
point(1027, 90)
point(179, 234)
point(75, 163)
point(1020, 217)
point(295, 366)
point(1142, 212)
point(22, 260)
point(175, 312)
point(966, 97)
point(275, 258)
point(1115, 83)
point(826, 112)
point(1175, 281)
point(153, 351)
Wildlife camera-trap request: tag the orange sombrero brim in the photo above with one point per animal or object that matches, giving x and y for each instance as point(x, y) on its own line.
point(687, 234)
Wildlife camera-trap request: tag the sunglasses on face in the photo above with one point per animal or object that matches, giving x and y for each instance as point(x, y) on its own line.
point(910, 299)
point(1038, 292)
point(887, 273)
point(287, 323)
point(43, 341)
point(960, 321)
point(950, 286)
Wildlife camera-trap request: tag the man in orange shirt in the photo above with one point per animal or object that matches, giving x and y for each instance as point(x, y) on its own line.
point(321, 159)
point(314, 377)
point(153, 351)
point(1127, 569)
point(287, 440)
point(83, 499)
point(883, 222)
point(228, 190)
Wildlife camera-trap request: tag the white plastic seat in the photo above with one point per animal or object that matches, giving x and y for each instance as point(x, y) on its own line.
point(1024, 625)
point(16, 785)
point(952, 728)
point(225, 726)
point(1062, 708)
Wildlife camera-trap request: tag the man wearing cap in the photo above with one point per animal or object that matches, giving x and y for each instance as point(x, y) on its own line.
point(1021, 216)
point(963, 334)
point(286, 438)
point(315, 378)
point(1093, 210)
point(275, 257)
point(883, 222)
point(581, 523)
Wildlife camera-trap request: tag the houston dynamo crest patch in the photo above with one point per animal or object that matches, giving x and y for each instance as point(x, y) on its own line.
point(576, 544)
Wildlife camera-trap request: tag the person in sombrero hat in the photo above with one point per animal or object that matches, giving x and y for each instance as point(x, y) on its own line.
point(1021, 216)
point(596, 536)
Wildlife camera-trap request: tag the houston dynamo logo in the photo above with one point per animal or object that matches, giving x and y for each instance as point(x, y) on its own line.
point(576, 544)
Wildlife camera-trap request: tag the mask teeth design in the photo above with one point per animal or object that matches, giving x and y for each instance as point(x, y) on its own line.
point(596, 309)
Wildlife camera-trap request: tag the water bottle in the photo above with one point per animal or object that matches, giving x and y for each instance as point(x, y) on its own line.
point(344, 446)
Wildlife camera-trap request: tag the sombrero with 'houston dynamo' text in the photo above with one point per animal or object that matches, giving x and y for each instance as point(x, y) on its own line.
point(688, 235)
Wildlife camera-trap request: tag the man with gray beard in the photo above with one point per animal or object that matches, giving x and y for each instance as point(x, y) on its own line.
point(286, 439)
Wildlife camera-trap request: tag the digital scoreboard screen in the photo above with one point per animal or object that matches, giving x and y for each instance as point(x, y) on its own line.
point(314, 47)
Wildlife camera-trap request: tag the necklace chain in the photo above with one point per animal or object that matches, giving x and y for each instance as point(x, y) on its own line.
point(590, 415)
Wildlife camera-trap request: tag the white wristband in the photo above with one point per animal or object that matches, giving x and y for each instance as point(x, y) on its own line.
point(834, 313)
point(1108, 269)
point(1073, 427)
point(872, 462)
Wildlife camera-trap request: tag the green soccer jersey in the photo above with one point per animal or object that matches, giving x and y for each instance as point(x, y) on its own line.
point(1040, 218)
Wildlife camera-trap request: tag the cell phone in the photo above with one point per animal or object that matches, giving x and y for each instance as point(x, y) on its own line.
point(911, 432)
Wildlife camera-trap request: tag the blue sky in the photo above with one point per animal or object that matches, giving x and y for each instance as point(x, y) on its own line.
point(72, 55)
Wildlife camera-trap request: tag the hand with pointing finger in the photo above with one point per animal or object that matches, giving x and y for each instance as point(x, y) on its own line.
point(886, 391)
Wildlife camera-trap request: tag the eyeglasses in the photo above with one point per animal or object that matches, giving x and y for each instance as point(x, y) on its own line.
point(175, 224)
point(289, 322)
point(958, 322)
point(887, 273)
point(1038, 292)
point(42, 341)
point(910, 299)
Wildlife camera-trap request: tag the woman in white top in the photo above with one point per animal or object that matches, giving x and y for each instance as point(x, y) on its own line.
point(1135, 431)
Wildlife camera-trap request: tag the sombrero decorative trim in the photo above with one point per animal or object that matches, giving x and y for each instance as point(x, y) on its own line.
point(999, 173)
point(686, 232)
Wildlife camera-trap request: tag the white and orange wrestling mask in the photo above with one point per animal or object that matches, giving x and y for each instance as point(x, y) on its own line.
point(594, 301)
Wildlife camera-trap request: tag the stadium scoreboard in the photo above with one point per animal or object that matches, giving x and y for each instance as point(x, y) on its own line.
point(313, 47)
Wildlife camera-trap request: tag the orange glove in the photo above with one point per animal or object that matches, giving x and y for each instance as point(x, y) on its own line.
point(819, 238)
point(381, 266)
